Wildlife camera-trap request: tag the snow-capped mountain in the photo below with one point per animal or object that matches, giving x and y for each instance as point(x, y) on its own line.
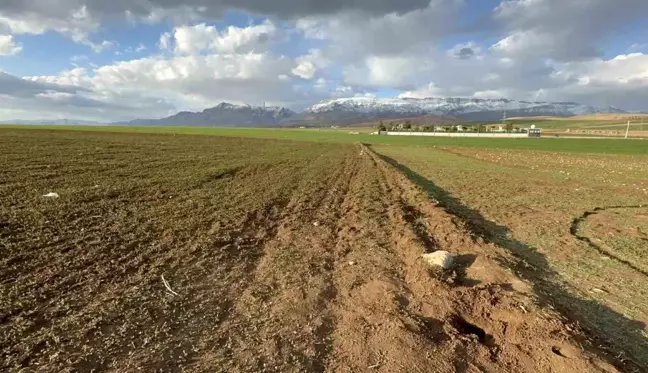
point(348, 111)
point(225, 115)
point(468, 108)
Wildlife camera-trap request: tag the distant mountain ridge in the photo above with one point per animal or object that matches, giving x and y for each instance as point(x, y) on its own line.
point(460, 107)
point(223, 115)
point(357, 110)
point(348, 111)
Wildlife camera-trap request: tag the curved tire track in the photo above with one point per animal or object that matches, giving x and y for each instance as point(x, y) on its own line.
point(579, 220)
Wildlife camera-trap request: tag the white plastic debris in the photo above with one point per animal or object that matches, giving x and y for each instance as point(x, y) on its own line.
point(316, 224)
point(51, 195)
point(441, 259)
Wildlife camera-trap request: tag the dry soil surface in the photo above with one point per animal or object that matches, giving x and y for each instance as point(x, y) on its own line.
point(325, 280)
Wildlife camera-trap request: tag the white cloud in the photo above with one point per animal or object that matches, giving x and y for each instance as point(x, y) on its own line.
point(490, 94)
point(429, 90)
point(202, 37)
point(98, 47)
point(564, 30)
point(621, 81)
point(355, 36)
point(227, 69)
point(400, 72)
point(542, 49)
point(165, 41)
point(305, 69)
point(521, 42)
point(8, 46)
point(76, 23)
point(70, 95)
point(310, 63)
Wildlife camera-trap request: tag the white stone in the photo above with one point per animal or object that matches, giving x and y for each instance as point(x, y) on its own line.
point(441, 259)
point(51, 195)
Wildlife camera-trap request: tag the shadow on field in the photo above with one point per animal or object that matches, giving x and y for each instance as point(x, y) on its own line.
point(619, 340)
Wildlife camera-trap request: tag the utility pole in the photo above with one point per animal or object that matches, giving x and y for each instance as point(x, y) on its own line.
point(627, 130)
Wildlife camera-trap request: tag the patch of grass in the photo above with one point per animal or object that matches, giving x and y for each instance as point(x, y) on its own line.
point(600, 146)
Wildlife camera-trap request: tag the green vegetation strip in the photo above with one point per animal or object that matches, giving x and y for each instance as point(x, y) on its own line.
point(605, 146)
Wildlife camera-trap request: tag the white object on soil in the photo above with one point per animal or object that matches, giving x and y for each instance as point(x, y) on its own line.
point(441, 259)
point(51, 195)
point(168, 287)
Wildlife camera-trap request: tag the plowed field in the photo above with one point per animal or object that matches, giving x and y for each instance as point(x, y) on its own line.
point(277, 256)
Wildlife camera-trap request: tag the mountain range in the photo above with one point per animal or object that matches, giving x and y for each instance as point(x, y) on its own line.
point(224, 115)
point(348, 111)
point(463, 108)
point(357, 110)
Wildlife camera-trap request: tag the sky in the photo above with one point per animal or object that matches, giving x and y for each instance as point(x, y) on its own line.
point(125, 59)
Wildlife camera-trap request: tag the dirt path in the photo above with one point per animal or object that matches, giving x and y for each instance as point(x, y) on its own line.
point(323, 274)
point(341, 288)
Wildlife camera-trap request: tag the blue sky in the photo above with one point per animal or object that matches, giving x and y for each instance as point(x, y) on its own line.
point(105, 61)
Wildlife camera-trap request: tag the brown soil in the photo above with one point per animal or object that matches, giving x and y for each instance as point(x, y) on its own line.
point(328, 278)
point(527, 202)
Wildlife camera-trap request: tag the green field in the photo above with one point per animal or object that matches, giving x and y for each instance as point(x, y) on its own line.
point(609, 146)
point(578, 124)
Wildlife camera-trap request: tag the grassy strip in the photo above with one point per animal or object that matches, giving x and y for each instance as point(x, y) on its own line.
point(603, 146)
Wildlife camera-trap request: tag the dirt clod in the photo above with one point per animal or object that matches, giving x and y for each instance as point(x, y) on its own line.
point(440, 258)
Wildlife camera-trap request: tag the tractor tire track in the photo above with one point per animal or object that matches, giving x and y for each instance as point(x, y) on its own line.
point(575, 227)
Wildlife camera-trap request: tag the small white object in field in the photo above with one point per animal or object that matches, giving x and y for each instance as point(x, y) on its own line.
point(351, 263)
point(168, 287)
point(316, 224)
point(441, 259)
point(51, 195)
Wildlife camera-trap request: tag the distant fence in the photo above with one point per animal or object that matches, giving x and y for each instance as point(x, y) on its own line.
point(457, 134)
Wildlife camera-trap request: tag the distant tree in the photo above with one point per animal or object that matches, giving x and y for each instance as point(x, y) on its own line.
point(453, 128)
point(381, 126)
point(481, 128)
point(407, 125)
point(509, 127)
